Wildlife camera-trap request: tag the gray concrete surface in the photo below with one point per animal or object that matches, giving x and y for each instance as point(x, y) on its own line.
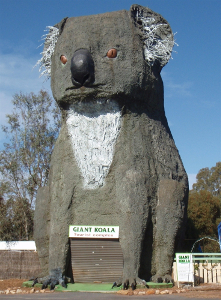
point(98, 296)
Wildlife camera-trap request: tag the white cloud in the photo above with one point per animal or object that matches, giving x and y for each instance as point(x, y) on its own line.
point(192, 180)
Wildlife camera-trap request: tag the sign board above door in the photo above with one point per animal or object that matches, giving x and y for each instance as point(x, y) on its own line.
point(97, 232)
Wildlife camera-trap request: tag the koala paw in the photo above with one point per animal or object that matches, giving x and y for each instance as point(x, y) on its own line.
point(161, 279)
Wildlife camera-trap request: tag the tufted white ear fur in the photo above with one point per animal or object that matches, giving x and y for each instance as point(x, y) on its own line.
point(158, 39)
point(50, 40)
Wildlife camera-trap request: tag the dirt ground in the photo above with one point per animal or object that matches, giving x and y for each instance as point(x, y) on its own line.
point(207, 291)
point(14, 284)
point(210, 291)
point(204, 291)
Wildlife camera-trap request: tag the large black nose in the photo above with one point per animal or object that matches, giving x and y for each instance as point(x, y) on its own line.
point(82, 68)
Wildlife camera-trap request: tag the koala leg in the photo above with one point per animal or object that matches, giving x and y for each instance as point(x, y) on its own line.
point(59, 243)
point(130, 249)
point(41, 227)
point(170, 213)
point(134, 214)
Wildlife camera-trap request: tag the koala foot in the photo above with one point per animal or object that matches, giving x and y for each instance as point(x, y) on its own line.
point(130, 283)
point(53, 279)
point(161, 279)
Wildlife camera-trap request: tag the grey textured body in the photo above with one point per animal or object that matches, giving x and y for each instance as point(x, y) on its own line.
point(146, 187)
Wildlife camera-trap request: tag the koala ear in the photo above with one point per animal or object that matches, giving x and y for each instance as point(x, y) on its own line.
point(157, 36)
point(61, 25)
point(52, 36)
point(50, 40)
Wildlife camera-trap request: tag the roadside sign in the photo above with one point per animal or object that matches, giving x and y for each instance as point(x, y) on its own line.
point(184, 263)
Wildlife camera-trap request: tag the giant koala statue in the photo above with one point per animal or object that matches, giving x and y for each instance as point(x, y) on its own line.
point(115, 161)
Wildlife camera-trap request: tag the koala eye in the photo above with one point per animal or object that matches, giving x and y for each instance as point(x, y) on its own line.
point(112, 53)
point(63, 59)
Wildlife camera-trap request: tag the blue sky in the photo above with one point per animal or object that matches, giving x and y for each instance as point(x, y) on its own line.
point(192, 79)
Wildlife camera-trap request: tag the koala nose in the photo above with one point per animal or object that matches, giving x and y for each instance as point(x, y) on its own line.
point(82, 68)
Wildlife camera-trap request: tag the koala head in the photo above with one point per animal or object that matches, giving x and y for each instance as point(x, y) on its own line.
point(117, 55)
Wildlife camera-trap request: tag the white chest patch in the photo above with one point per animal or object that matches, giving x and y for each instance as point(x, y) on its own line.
point(93, 129)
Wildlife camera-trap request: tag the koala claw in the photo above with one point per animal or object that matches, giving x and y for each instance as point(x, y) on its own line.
point(117, 283)
point(45, 284)
point(127, 283)
point(34, 282)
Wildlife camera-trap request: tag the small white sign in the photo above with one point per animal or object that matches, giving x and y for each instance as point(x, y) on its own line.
point(96, 232)
point(184, 264)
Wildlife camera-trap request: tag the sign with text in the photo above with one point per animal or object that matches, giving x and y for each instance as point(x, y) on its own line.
point(184, 267)
point(98, 232)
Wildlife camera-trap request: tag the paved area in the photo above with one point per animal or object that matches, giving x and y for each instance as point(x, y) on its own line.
point(105, 296)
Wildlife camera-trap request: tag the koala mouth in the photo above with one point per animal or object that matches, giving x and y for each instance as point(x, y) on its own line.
point(87, 86)
point(96, 107)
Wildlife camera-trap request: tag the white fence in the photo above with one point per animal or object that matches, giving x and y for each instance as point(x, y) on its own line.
point(206, 266)
point(18, 245)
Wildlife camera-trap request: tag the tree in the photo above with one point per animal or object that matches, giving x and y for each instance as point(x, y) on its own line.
point(204, 206)
point(203, 210)
point(32, 130)
point(203, 215)
point(209, 180)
